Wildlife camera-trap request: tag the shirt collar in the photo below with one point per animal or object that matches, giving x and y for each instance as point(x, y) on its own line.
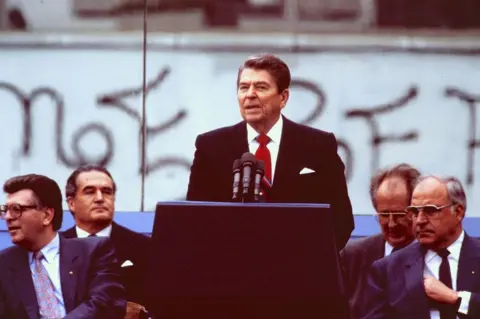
point(454, 249)
point(389, 247)
point(274, 134)
point(103, 233)
point(50, 250)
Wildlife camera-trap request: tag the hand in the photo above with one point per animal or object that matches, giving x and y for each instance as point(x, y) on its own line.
point(437, 291)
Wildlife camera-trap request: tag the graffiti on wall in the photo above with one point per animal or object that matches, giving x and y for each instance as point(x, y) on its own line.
point(381, 123)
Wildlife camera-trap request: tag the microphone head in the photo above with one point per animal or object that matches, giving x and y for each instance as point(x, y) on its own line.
point(237, 164)
point(248, 159)
point(260, 166)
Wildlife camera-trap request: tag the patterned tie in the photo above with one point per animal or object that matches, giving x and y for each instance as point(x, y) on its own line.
point(47, 302)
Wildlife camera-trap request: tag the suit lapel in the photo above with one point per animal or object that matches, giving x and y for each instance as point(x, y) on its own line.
point(378, 250)
point(468, 265)
point(286, 163)
point(23, 282)
point(414, 283)
point(68, 276)
point(239, 142)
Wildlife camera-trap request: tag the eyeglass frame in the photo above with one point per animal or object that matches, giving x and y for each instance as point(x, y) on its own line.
point(428, 216)
point(22, 208)
point(396, 215)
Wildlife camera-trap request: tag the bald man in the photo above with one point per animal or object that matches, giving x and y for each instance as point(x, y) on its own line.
point(435, 277)
point(390, 193)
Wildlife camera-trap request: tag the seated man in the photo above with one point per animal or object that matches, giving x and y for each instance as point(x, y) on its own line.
point(45, 275)
point(90, 192)
point(390, 193)
point(436, 276)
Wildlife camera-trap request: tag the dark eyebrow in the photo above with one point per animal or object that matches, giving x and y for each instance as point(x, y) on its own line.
point(255, 83)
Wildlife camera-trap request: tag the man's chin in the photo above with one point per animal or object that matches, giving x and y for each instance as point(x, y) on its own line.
point(396, 241)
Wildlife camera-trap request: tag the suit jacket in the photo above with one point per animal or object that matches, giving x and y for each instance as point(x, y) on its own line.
point(395, 285)
point(89, 276)
point(133, 247)
point(301, 146)
point(356, 259)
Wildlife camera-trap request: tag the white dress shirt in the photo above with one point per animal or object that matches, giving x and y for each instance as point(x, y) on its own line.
point(275, 135)
point(51, 262)
point(103, 233)
point(432, 268)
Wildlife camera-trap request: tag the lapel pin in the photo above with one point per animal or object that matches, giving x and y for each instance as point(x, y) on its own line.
point(70, 272)
point(473, 272)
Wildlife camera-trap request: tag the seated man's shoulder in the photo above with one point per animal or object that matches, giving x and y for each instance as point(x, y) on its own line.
point(130, 236)
point(88, 243)
point(401, 257)
point(363, 244)
point(7, 253)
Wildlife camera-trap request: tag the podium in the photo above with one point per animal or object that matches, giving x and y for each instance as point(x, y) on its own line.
point(236, 260)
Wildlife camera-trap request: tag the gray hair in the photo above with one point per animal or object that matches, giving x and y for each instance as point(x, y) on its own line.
point(455, 190)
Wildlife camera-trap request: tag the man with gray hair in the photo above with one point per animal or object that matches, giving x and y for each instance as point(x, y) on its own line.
point(436, 276)
point(390, 192)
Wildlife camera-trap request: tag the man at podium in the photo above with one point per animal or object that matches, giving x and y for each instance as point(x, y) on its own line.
point(301, 163)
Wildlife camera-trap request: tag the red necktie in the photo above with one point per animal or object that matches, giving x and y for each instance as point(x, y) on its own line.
point(264, 154)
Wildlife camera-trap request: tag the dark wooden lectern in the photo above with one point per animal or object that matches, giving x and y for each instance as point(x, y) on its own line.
point(235, 260)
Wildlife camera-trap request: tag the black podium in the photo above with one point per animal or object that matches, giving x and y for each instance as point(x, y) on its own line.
point(234, 260)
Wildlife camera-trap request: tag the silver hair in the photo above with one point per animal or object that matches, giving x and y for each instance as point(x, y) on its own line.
point(455, 190)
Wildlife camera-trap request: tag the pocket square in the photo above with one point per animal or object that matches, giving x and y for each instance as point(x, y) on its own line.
point(127, 263)
point(306, 170)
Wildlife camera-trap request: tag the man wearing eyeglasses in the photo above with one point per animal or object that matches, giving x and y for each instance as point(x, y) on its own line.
point(390, 193)
point(435, 277)
point(46, 276)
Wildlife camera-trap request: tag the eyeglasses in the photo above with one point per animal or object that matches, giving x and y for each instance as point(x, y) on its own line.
point(16, 210)
point(430, 211)
point(383, 217)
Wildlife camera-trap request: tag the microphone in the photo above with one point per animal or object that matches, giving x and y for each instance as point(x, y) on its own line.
point(259, 172)
point(237, 171)
point(248, 160)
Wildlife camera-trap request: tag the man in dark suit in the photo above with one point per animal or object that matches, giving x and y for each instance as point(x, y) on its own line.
point(46, 276)
point(90, 192)
point(390, 192)
point(301, 163)
point(435, 277)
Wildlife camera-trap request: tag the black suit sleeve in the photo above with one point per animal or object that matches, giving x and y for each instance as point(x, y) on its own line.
point(105, 291)
point(200, 173)
point(4, 309)
point(376, 294)
point(340, 201)
point(473, 308)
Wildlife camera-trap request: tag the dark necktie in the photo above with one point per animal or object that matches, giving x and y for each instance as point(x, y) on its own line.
point(92, 235)
point(446, 311)
point(264, 154)
point(395, 249)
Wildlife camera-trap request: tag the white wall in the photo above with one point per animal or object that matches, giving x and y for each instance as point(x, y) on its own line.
point(201, 85)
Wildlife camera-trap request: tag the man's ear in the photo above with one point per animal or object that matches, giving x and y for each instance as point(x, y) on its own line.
point(49, 215)
point(71, 204)
point(459, 212)
point(284, 98)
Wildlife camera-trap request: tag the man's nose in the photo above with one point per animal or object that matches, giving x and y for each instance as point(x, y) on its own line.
point(251, 92)
point(421, 218)
point(391, 221)
point(99, 195)
point(8, 216)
